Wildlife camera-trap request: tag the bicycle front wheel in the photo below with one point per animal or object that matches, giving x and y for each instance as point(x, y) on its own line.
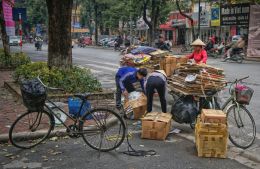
point(30, 129)
point(103, 129)
point(241, 125)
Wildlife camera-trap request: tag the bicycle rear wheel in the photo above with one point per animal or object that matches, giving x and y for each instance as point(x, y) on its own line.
point(241, 126)
point(30, 129)
point(103, 129)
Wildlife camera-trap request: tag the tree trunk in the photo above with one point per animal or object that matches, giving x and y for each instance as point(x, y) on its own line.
point(187, 16)
point(4, 34)
point(150, 31)
point(59, 31)
point(96, 21)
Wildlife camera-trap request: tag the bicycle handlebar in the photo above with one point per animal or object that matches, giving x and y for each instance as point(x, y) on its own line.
point(235, 82)
point(238, 80)
point(51, 88)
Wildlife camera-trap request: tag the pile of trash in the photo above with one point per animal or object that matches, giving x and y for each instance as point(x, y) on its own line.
point(197, 79)
point(143, 56)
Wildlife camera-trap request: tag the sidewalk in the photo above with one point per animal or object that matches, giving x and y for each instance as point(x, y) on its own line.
point(10, 107)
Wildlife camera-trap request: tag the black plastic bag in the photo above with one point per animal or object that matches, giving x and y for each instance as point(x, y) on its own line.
point(185, 110)
point(33, 94)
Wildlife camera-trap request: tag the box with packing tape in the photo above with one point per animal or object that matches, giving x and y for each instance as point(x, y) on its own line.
point(137, 106)
point(211, 139)
point(156, 125)
point(213, 116)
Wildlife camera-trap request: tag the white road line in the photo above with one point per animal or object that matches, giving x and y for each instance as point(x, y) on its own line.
point(101, 67)
point(103, 63)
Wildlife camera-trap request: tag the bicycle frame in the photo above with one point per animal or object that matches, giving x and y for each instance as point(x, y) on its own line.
point(75, 120)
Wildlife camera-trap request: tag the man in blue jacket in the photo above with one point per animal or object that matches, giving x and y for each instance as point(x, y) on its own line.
point(125, 77)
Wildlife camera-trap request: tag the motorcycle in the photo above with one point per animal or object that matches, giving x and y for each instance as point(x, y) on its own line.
point(38, 45)
point(237, 55)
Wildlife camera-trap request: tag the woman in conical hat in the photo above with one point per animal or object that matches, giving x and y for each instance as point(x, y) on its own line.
point(199, 54)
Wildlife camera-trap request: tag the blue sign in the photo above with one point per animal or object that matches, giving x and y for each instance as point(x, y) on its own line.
point(215, 14)
point(17, 11)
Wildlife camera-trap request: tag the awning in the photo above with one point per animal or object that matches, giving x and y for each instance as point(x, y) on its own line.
point(166, 26)
point(178, 22)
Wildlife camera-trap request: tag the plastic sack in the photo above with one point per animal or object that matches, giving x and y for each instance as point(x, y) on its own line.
point(185, 110)
point(243, 94)
point(33, 94)
point(74, 106)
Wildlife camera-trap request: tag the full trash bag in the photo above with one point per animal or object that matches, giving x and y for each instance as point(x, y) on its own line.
point(34, 94)
point(185, 110)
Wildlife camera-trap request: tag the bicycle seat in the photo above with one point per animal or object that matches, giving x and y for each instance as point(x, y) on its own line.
point(83, 96)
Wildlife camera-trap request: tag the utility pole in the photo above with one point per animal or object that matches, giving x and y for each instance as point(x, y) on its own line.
point(199, 21)
point(20, 32)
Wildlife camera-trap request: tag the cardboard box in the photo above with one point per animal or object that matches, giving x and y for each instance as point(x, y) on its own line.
point(169, 63)
point(156, 126)
point(211, 139)
point(139, 106)
point(213, 116)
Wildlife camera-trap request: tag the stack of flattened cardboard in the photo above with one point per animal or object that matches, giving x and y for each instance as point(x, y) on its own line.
point(207, 79)
point(211, 134)
point(156, 125)
point(150, 60)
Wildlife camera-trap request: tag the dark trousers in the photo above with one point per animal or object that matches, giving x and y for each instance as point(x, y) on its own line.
point(129, 88)
point(155, 83)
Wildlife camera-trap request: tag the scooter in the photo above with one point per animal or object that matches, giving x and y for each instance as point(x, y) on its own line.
point(237, 55)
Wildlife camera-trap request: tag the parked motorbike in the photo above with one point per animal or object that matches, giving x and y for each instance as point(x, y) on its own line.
point(237, 55)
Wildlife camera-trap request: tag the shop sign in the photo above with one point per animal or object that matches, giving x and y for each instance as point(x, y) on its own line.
point(215, 16)
point(235, 14)
point(253, 49)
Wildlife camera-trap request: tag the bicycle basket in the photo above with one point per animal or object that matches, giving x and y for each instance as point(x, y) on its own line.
point(243, 94)
point(33, 94)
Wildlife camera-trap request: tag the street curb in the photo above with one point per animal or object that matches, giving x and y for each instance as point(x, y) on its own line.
point(96, 47)
point(4, 138)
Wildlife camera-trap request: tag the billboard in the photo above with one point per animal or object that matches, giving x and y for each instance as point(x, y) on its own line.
point(8, 17)
point(253, 49)
point(215, 16)
point(235, 14)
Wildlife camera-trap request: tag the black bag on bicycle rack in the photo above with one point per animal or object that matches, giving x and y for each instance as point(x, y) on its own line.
point(184, 110)
point(33, 94)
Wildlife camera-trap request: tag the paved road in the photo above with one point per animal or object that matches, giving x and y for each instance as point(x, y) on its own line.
point(104, 63)
point(176, 152)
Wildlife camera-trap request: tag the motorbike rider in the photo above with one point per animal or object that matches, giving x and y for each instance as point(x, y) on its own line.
point(210, 44)
point(38, 42)
point(240, 44)
point(199, 54)
point(118, 42)
point(162, 45)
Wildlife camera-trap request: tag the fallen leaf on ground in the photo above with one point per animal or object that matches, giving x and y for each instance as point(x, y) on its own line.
point(8, 155)
point(54, 138)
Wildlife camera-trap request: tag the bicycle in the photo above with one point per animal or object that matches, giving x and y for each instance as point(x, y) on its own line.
point(239, 119)
point(96, 126)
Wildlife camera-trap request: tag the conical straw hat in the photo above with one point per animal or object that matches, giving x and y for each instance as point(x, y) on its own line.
point(162, 72)
point(198, 42)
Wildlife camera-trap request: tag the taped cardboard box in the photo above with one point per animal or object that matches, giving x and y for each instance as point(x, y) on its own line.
point(211, 139)
point(213, 116)
point(139, 106)
point(156, 125)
